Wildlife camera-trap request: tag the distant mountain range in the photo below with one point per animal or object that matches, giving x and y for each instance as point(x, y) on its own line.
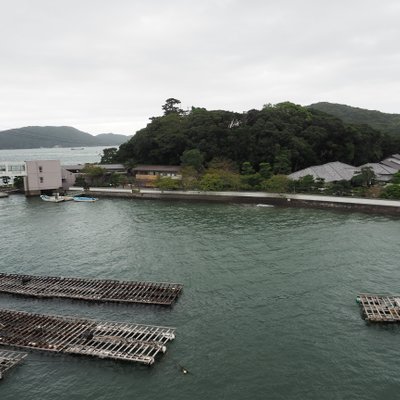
point(32, 137)
point(388, 123)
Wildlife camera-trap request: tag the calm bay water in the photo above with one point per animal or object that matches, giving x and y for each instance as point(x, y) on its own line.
point(268, 309)
point(65, 155)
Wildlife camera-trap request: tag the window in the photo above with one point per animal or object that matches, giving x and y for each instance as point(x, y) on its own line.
point(2, 168)
point(41, 179)
point(16, 168)
point(40, 169)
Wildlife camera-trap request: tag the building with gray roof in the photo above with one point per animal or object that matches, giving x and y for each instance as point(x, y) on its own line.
point(330, 172)
point(337, 171)
point(383, 173)
point(392, 162)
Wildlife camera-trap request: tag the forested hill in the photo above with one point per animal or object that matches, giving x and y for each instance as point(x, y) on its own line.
point(389, 123)
point(287, 136)
point(49, 136)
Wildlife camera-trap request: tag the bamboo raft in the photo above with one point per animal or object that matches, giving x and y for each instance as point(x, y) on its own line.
point(9, 359)
point(68, 335)
point(91, 289)
point(379, 308)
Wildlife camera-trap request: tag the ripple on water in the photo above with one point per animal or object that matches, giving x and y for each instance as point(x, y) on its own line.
point(267, 310)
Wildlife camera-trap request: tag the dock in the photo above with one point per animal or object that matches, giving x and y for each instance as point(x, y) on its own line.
point(69, 335)
point(159, 293)
point(379, 308)
point(9, 359)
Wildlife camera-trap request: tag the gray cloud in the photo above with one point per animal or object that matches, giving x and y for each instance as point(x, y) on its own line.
point(108, 66)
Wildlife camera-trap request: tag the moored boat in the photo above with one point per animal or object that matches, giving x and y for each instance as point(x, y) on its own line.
point(84, 199)
point(52, 199)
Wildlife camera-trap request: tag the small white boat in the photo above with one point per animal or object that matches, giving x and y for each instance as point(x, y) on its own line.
point(52, 199)
point(3, 194)
point(85, 199)
point(264, 205)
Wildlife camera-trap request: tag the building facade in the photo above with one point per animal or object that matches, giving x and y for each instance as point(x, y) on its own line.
point(146, 175)
point(42, 176)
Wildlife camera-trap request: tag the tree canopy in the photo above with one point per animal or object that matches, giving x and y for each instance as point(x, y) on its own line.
point(286, 136)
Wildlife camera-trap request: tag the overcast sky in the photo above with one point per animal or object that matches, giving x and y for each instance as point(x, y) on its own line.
point(107, 66)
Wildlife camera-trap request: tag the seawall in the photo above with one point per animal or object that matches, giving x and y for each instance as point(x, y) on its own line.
point(277, 199)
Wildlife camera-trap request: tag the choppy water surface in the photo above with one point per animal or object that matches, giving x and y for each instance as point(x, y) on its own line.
point(268, 309)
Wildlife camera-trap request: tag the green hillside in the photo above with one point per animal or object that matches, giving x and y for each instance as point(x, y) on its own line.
point(49, 136)
point(287, 136)
point(388, 123)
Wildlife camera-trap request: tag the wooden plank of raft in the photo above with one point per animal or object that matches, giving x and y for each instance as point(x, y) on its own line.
point(113, 340)
point(9, 359)
point(380, 308)
point(160, 293)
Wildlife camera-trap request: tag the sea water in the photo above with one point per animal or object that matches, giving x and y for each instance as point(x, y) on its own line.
point(268, 308)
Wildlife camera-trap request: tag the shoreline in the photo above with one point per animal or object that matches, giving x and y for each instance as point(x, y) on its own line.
point(276, 199)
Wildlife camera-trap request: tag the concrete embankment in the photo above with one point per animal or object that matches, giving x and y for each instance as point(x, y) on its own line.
point(278, 199)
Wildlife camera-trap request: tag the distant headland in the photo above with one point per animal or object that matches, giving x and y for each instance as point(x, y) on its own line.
point(32, 137)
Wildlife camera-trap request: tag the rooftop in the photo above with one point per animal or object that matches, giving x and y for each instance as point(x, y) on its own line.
point(330, 172)
point(380, 169)
point(158, 168)
point(108, 167)
point(392, 162)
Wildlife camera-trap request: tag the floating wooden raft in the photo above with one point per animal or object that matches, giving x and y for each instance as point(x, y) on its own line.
point(91, 289)
point(9, 359)
point(380, 308)
point(120, 341)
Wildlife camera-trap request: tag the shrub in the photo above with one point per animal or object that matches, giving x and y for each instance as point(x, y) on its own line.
point(276, 184)
point(219, 180)
point(339, 188)
point(391, 192)
point(167, 183)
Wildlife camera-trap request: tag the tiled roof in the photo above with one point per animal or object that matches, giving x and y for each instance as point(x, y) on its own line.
point(73, 167)
point(108, 167)
point(380, 169)
point(158, 168)
point(330, 172)
point(392, 162)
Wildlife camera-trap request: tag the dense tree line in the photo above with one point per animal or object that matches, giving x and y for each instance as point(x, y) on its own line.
point(288, 137)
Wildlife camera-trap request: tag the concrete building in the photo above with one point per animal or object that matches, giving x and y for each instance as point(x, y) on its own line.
point(47, 176)
point(42, 176)
point(10, 170)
